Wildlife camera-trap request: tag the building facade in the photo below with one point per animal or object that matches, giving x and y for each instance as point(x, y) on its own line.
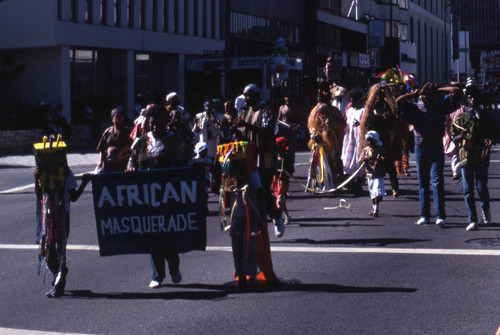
point(94, 54)
point(481, 21)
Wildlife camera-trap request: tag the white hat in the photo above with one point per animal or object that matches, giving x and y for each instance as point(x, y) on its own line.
point(199, 147)
point(374, 136)
point(173, 95)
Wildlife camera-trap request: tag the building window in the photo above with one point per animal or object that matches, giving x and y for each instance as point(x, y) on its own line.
point(117, 14)
point(130, 13)
point(142, 17)
point(175, 24)
point(265, 29)
point(104, 12)
point(403, 32)
point(186, 17)
point(155, 15)
point(73, 14)
point(412, 31)
point(143, 74)
point(88, 11)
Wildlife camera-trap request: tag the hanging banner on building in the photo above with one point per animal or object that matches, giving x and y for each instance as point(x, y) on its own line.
point(408, 57)
point(376, 34)
point(150, 210)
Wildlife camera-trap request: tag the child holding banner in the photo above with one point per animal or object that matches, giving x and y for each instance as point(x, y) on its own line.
point(159, 148)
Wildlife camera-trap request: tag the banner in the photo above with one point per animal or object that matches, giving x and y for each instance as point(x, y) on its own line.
point(150, 210)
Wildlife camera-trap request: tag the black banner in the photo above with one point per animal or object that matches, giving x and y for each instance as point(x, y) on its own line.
point(150, 210)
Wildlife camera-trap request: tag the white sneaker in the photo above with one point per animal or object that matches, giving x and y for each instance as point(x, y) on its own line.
point(422, 221)
point(486, 217)
point(154, 284)
point(440, 222)
point(176, 278)
point(471, 226)
point(279, 227)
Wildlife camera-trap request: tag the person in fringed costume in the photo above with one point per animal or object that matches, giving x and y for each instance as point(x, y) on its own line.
point(243, 194)
point(380, 115)
point(55, 187)
point(350, 147)
point(281, 180)
point(326, 127)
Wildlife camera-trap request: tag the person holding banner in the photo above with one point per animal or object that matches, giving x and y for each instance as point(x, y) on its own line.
point(159, 148)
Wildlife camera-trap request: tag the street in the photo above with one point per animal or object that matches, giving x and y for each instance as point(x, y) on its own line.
point(344, 272)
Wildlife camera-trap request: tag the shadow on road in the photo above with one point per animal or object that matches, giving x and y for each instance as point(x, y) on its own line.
point(376, 242)
point(222, 291)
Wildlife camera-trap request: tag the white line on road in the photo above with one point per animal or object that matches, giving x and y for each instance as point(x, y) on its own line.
point(12, 331)
point(332, 250)
point(22, 188)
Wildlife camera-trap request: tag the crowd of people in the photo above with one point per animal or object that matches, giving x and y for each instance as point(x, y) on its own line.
point(356, 138)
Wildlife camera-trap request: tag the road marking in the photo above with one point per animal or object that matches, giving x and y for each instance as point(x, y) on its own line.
point(12, 331)
point(22, 188)
point(331, 250)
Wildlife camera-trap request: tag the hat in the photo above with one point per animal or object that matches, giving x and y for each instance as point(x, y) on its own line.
point(199, 147)
point(282, 143)
point(252, 88)
point(117, 111)
point(372, 134)
point(471, 81)
point(339, 91)
point(173, 96)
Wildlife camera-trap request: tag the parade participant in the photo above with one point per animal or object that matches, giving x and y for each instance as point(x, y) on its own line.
point(450, 149)
point(114, 145)
point(474, 132)
point(160, 148)
point(207, 124)
point(201, 158)
point(227, 129)
point(174, 108)
point(403, 162)
point(257, 125)
point(380, 115)
point(339, 98)
point(259, 122)
point(373, 157)
point(289, 121)
point(55, 188)
point(326, 127)
point(243, 187)
point(281, 180)
point(141, 125)
point(351, 146)
point(239, 104)
point(428, 118)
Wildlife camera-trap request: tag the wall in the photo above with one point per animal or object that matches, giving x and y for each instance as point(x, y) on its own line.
point(17, 142)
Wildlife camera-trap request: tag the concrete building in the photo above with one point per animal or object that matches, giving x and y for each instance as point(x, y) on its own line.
point(99, 53)
point(481, 21)
point(430, 30)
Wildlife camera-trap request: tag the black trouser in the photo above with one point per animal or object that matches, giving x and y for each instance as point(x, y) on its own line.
point(266, 176)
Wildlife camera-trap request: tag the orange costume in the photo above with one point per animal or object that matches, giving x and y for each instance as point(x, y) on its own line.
point(326, 126)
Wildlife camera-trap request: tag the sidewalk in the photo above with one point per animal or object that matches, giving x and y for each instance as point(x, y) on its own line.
point(74, 159)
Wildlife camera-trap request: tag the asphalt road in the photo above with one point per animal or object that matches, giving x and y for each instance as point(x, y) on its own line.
point(344, 272)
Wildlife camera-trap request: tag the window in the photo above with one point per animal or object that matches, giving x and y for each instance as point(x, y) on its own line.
point(261, 28)
point(155, 15)
point(88, 11)
point(412, 31)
